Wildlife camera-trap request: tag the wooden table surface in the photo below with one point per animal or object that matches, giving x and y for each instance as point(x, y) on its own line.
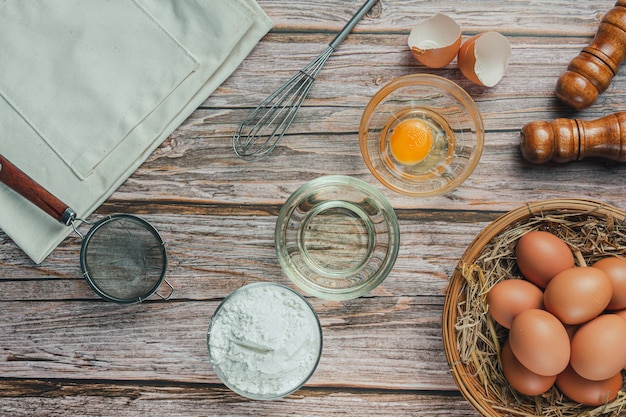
point(64, 351)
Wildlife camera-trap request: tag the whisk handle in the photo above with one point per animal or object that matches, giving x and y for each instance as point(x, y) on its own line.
point(352, 23)
point(24, 185)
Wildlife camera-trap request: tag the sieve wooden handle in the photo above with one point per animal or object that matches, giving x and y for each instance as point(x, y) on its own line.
point(591, 72)
point(563, 140)
point(28, 188)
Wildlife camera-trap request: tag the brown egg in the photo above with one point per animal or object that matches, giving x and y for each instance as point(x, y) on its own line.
point(588, 392)
point(520, 377)
point(621, 313)
point(483, 58)
point(615, 268)
point(510, 297)
point(599, 347)
point(578, 294)
point(435, 41)
point(540, 342)
point(541, 255)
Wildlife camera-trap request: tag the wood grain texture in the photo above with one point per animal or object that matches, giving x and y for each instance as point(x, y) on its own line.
point(63, 351)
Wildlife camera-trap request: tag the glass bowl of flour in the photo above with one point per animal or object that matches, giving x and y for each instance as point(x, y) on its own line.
point(264, 341)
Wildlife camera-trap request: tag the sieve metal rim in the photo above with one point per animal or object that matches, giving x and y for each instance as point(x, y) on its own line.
point(83, 264)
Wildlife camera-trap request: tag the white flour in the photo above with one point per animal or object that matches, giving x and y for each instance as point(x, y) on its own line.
point(264, 341)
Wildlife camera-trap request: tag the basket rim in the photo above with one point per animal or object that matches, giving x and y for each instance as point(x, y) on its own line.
point(461, 373)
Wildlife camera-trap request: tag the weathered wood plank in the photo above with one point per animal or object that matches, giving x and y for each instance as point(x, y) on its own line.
point(379, 342)
point(63, 351)
point(502, 176)
point(229, 248)
point(364, 63)
point(545, 18)
point(50, 398)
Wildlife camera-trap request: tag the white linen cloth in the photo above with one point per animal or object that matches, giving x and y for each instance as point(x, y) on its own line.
point(89, 89)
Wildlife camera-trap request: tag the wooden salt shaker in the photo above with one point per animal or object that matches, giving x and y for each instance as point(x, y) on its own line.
point(564, 140)
point(591, 72)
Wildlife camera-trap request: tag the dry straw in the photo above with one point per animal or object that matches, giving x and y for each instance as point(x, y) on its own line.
point(472, 339)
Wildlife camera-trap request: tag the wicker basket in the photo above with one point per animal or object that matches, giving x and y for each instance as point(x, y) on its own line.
point(469, 332)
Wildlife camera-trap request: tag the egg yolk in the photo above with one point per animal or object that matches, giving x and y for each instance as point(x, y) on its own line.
point(411, 141)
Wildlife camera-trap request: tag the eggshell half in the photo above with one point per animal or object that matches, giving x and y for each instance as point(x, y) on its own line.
point(483, 58)
point(435, 41)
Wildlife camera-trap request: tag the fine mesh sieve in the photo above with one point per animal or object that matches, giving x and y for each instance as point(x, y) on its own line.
point(122, 257)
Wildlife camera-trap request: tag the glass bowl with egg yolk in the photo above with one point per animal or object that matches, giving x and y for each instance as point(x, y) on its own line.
point(421, 135)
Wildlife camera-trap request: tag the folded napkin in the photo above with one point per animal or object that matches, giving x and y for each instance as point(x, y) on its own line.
point(89, 89)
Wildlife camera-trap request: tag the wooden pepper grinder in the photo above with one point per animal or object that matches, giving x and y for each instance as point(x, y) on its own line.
point(564, 140)
point(591, 72)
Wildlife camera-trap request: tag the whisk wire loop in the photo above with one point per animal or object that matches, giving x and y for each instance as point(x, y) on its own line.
point(259, 133)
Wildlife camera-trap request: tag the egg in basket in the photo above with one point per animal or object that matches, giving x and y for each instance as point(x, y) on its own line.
point(563, 352)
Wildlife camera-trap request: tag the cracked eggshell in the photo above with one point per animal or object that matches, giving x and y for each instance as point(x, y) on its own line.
point(483, 58)
point(435, 41)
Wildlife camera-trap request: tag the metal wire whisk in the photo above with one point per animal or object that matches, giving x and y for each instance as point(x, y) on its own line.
point(258, 134)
